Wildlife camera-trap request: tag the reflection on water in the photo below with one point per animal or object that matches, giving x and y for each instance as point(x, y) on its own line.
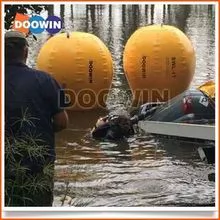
point(145, 170)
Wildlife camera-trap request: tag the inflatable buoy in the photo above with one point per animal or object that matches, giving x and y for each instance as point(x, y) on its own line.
point(159, 63)
point(82, 64)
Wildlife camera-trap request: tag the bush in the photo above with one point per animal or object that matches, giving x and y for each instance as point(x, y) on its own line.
point(23, 185)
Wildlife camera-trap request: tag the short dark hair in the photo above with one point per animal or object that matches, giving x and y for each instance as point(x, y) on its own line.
point(14, 49)
point(122, 125)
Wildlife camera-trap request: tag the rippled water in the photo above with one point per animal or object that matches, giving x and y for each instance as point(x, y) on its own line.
point(145, 170)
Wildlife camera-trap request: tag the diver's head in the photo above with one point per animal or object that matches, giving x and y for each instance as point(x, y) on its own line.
point(122, 125)
point(113, 127)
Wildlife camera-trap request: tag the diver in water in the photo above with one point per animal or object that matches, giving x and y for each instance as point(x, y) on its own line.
point(114, 127)
point(195, 106)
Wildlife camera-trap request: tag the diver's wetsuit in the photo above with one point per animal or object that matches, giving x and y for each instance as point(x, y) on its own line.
point(101, 131)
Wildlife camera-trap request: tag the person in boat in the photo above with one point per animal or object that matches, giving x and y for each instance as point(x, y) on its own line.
point(195, 106)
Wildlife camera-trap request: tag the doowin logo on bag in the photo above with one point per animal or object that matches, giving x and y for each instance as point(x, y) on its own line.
point(37, 24)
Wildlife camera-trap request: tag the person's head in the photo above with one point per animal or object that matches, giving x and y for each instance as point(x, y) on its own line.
point(122, 125)
point(113, 127)
point(16, 47)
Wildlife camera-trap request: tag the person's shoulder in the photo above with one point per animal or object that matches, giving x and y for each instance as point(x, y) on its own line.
point(39, 72)
point(40, 75)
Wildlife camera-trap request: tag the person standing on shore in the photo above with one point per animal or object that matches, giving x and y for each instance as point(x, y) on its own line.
point(32, 113)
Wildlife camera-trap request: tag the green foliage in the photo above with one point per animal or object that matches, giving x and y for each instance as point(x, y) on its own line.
point(21, 185)
point(28, 173)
